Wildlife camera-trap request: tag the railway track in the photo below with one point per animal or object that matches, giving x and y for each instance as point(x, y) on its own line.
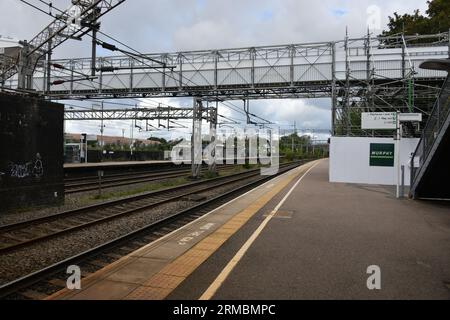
point(90, 183)
point(19, 235)
point(85, 217)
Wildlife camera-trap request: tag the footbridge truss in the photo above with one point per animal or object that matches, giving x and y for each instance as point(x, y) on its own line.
point(368, 73)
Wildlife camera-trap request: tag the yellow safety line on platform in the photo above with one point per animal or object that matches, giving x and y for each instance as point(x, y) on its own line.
point(200, 252)
point(217, 283)
point(173, 274)
point(122, 261)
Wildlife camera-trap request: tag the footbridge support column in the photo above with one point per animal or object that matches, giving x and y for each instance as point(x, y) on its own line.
point(212, 167)
point(196, 139)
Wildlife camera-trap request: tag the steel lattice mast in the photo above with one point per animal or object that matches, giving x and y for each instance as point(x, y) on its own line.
point(72, 23)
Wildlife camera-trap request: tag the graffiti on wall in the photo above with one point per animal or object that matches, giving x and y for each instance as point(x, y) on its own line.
point(34, 169)
point(19, 170)
point(38, 168)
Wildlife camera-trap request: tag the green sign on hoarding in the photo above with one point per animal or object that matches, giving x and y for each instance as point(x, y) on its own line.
point(382, 154)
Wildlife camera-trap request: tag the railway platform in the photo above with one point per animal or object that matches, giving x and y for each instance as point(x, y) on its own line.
point(117, 167)
point(125, 164)
point(295, 237)
point(115, 164)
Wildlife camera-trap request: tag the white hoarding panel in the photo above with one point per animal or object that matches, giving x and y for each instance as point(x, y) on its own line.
point(350, 160)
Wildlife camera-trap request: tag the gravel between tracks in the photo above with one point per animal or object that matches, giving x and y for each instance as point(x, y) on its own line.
point(77, 200)
point(35, 257)
point(72, 201)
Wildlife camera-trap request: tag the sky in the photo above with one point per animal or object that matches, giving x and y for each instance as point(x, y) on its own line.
point(180, 25)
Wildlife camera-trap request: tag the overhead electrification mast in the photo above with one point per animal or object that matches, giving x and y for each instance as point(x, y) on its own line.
point(73, 23)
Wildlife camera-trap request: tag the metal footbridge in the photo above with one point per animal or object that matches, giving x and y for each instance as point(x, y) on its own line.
point(358, 74)
point(289, 71)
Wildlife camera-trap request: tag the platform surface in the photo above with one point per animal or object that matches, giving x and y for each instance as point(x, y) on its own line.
point(317, 245)
point(153, 271)
point(113, 163)
point(325, 238)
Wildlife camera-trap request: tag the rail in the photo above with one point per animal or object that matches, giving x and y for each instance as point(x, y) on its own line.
point(198, 210)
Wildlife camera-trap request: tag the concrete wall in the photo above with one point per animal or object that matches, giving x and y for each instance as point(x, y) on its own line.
point(350, 156)
point(31, 152)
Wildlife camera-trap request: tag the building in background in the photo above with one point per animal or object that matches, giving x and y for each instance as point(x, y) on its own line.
point(111, 140)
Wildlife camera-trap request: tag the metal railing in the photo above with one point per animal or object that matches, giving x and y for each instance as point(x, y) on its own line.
point(432, 130)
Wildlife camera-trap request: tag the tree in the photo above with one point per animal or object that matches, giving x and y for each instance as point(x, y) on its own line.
point(407, 24)
point(439, 14)
point(162, 140)
point(295, 146)
point(437, 20)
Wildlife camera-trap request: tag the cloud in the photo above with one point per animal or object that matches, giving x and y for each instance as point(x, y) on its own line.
point(161, 25)
point(307, 114)
point(339, 12)
point(172, 25)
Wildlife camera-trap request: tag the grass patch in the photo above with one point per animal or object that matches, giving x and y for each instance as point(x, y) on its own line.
point(158, 185)
point(210, 175)
point(154, 186)
point(130, 191)
point(249, 166)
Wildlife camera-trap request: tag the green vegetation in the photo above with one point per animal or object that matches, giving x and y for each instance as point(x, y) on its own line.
point(210, 175)
point(354, 121)
point(154, 186)
point(249, 166)
point(294, 147)
point(436, 20)
point(163, 145)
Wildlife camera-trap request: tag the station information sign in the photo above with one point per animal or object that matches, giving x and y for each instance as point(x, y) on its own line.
point(386, 120)
point(378, 120)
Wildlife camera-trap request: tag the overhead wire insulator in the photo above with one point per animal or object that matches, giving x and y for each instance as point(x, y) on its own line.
point(107, 69)
point(107, 46)
point(58, 66)
point(58, 82)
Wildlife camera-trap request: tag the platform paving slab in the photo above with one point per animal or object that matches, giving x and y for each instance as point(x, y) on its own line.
point(333, 233)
